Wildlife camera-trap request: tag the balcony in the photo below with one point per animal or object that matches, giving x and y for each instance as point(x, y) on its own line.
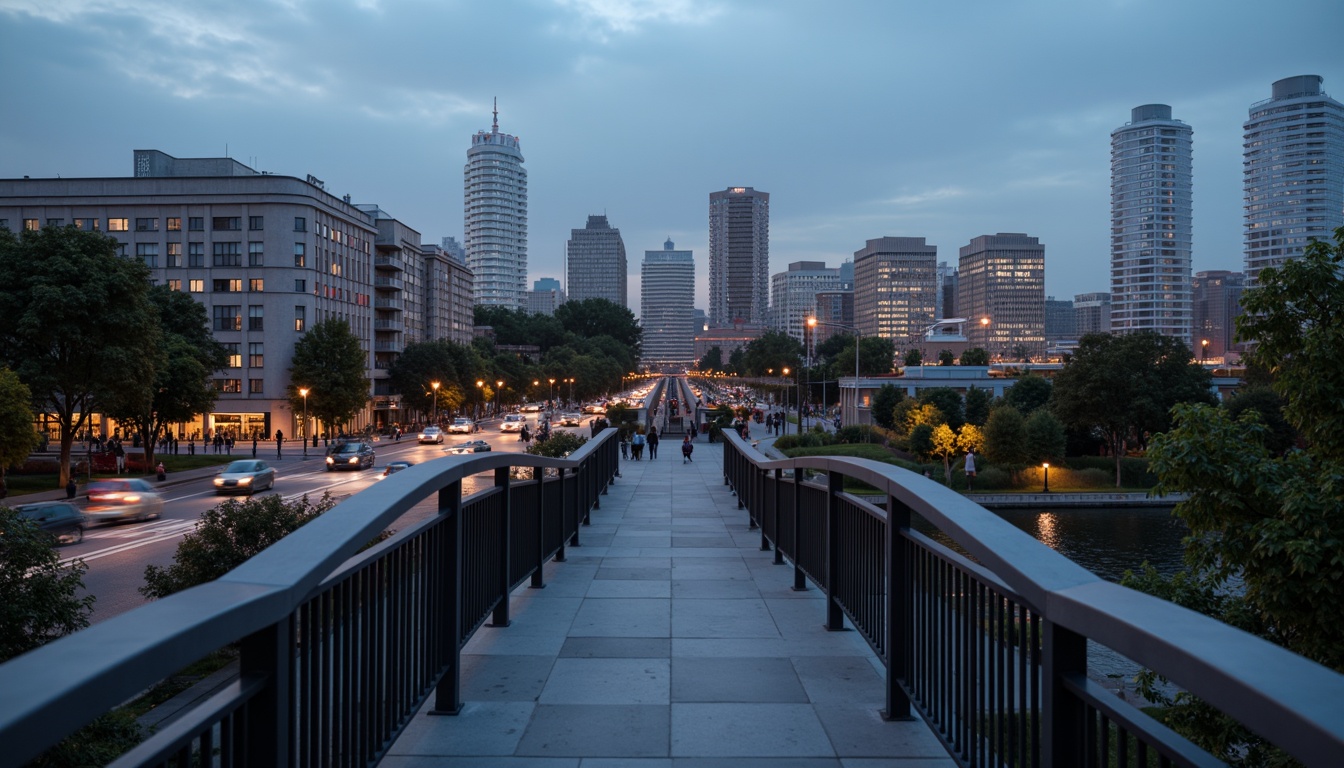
point(394, 283)
point(389, 304)
point(389, 261)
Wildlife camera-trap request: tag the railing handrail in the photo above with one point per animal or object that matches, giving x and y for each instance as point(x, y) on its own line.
point(1286, 698)
point(82, 675)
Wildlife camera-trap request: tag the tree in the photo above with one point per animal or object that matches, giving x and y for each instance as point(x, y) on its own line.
point(945, 357)
point(775, 349)
point(884, 404)
point(39, 598)
point(712, 361)
point(948, 402)
point(1045, 439)
point(977, 406)
point(1028, 393)
point(17, 436)
point(188, 359)
point(453, 366)
point(913, 358)
point(947, 445)
point(1268, 406)
point(330, 364)
point(599, 317)
point(1124, 387)
point(921, 441)
point(1006, 439)
point(76, 324)
point(974, 356)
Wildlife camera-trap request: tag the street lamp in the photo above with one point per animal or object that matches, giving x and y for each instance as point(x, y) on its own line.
point(1047, 477)
point(1204, 351)
point(435, 386)
point(303, 391)
point(550, 399)
point(479, 395)
point(499, 387)
point(785, 371)
point(571, 389)
point(813, 322)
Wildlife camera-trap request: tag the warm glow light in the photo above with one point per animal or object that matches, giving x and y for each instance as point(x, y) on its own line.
point(812, 322)
point(435, 385)
point(303, 392)
point(984, 321)
point(1046, 465)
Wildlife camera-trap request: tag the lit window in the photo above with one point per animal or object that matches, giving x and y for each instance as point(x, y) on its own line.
point(299, 318)
point(229, 386)
point(299, 251)
point(254, 386)
point(196, 286)
point(175, 285)
point(31, 225)
point(175, 224)
point(235, 357)
point(256, 285)
point(174, 255)
point(118, 225)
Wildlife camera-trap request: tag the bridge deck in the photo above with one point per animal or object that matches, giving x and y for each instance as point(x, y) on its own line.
point(668, 639)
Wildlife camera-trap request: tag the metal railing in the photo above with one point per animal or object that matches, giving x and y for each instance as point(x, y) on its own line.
point(991, 649)
point(338, 648)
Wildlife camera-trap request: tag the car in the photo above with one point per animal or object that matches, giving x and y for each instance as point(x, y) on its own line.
point(246, 476)
point(61, 519)
point(513, 422)
point(431, 435)
point(394, 467)
point(471, 446)
point(570, 420)
point(531, 408)
point(123, 499)
point(595, 409)
point(461, 426)
point(350, 455)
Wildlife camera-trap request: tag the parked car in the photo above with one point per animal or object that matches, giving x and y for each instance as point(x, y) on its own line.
point(431, 435)
point(531, 408)
point(128, 499)
point(461, 426)
point(61, 519)
point(471, 446)
point(513, 422)
point(355, 454)
point(394, 467)
point(247, 476)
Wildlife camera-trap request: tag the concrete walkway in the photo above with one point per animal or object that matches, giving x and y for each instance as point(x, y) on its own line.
point(668, 639)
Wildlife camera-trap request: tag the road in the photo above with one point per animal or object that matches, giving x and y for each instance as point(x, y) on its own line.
point(117, 554)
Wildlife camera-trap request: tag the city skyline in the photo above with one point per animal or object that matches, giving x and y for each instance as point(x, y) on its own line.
point(385, 119)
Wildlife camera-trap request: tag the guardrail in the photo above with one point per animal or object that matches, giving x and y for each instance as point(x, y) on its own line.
point(339, 648)
point(991, 650)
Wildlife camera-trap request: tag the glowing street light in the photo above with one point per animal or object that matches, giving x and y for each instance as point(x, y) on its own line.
point(435, 386)
point(303, 391)
point(1204, 351)
point(1046, 489)
point(499, 387)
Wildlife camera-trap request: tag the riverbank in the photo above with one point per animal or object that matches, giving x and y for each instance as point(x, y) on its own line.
point(1074, 500)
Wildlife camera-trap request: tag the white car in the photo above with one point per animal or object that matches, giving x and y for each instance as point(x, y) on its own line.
point(461, 426)
point(570, 420)
point(513, 422)
point(431, 435)
point(531, 408)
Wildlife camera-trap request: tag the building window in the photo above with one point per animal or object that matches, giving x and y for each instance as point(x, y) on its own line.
point(196, 223)
point(174, 255)
point(175, 285)
point(300, 286)
point(226, 223)
point(148, 253)
point(118, 225)
point(228, 255)
point(299, 258)
point(254, 223)
point(300, 224)
point(233, 350)
point(256, 285)
point(255, 355)
point(146, 225)
point(255, 254)
point(229, 386)
point(175, 224)
point(228, 286)
point(299, 318)
point(228, 318)
point(55, 222)
point(196, 286)
point(254, 386)
point(31, 225)
point(88, 225)
point(195, 254)
point(254, 318)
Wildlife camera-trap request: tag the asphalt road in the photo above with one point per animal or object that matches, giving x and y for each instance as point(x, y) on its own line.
point(116, 554)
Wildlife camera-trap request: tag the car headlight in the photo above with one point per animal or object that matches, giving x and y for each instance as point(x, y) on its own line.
point(219, 481)
point(330, 460)
point(354, 459)
point(244, 481)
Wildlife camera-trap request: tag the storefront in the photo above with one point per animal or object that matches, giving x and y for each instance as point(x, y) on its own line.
point(240, 426)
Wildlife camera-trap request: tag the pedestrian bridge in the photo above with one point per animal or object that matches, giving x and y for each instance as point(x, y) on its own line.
point(598, 612)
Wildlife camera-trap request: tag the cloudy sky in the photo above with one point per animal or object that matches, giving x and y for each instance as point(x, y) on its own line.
point(943, 119)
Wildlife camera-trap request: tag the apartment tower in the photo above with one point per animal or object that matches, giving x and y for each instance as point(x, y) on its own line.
point(794, 294)
point(667, 308)
point(495, 206)
point(895, 289)
point(739, 257)
point(1001, 291)
point(596, 269)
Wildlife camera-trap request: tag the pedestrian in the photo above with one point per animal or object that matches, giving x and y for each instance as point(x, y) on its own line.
point(637, 445)
point(254, 446)
point(279, 441)
point(161, 471)
point(653, 443)
point(191, 447)
point(970, 469)
point(120, 453)
point(625, 445)
point(70, 489)
point(686, 448)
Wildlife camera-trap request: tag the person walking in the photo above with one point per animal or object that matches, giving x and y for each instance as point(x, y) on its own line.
point(279, 441)
point(254, 446)
point(687, 447)
point(637, 445)
point(970, 469)
point(653, 443)
point(625, 445)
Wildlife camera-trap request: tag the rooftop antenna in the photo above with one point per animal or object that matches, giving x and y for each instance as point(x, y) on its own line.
point(494, 127)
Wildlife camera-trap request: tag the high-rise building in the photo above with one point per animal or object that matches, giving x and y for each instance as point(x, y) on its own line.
point(1060, 320)
point(739, 257)
point(794, 294)
point(1092, 313)
point(1293, 172)
point(1001, 291)
point(1151, 216)
point(495, 202)
point(835, 310)
point(453, 249)
point(546, 295)
point(448, 296)
point(596, 263)
point(1217, 295)
point(667, 308)
point(895, 287)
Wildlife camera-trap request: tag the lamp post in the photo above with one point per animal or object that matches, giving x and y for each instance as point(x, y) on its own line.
point(550, 399)
point(571, 390)
point(434, 385)
point(1204, 352)
point(984, 328)
point(499, 387)
point(786, 400)
point(813, 322)
point(480, 385)
point(1046, 465)
point(304, 392)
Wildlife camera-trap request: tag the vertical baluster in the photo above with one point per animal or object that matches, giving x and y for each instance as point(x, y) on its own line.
point(898, 623)
point(448, 693)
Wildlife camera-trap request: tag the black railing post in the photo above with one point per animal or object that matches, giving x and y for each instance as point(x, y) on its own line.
point(539, 475)
point(448, 692)
point(501, 618)
point(1064, 717)
point(835, 616)
point(580, 478)
point(779, 484)
point(269, 718)
point(898, 611)
point(799, 578)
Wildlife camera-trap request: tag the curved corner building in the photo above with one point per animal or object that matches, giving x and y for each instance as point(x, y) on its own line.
point(495, 206)
point(1293, 172)
point(1151, 216)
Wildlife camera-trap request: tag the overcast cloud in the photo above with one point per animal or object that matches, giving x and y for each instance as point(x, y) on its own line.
point(938, 118)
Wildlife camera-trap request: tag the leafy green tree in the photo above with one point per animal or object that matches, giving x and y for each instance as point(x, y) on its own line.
point(1124, 386)
point(736, 361)
point(1028, 393)
point(775, 349)
point(922, 440)
point(948, 402)
point(39, 598)
point(945, 357)
point(974, 356)
point(415, 370)
point(17, 436)
point(1268, 405)
point(977, 406)
point(875, 356)
point(329, 362)
point(1045, 437)
point(599, 317)
point(1006, 439)
point(76, 324)
point(913, 358)
point(947, 445)
point(884, 404)
point(712, 361)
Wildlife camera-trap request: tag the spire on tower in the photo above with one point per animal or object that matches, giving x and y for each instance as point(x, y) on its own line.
point(494, 127)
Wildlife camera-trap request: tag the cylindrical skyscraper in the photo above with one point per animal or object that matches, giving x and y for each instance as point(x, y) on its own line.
point(495, 207)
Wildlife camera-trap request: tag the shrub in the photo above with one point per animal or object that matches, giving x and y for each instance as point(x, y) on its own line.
point(1093, 478)
point(39, 598)
point(859, 433)
point(560, 445)
point(1133, 469)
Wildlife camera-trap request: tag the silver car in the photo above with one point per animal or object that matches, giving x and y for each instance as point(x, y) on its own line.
point(118, 499)
point(248, 476)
